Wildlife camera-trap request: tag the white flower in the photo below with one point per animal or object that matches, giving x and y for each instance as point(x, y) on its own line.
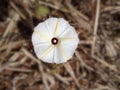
point(54, 40)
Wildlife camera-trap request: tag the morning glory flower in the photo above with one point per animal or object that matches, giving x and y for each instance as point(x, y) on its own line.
point(54, 40)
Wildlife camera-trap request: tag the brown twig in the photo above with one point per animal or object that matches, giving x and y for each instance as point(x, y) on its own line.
point(28, 54)
point(82, 62)
point(71, 72)
point(96, 26)
point(82, 20)
point(112, 67)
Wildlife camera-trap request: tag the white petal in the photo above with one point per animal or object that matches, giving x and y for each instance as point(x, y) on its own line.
point(69, 41)
point(62, 26)
point(69, 33)
point(58, 56)
point(40, 48)
point(37, 39)
point(49, 56)
point(51, 25)
point(42, 30)
point(69, 47)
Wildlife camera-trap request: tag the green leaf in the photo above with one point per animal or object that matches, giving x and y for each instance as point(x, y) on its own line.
point(53, 71)
point(42, 10)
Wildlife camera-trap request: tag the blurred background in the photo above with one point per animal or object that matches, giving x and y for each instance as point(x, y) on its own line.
point(96, 62)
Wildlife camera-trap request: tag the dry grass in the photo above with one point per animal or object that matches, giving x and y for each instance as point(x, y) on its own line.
point(95, 65)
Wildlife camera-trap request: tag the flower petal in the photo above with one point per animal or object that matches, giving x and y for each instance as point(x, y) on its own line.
point(48, 55)
point(69, 47)
point(62, 26)
point(51, 25)
point(69, 32)
point(40, 49)
point(37, 39)
point(59, 56)
point(41, 28)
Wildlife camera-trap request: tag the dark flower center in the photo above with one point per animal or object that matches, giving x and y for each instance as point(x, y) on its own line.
point(54, 41)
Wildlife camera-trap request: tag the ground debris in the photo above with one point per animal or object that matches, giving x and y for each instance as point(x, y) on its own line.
point(95, 64)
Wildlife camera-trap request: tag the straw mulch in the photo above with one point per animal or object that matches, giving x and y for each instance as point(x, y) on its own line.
point(95, 64)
